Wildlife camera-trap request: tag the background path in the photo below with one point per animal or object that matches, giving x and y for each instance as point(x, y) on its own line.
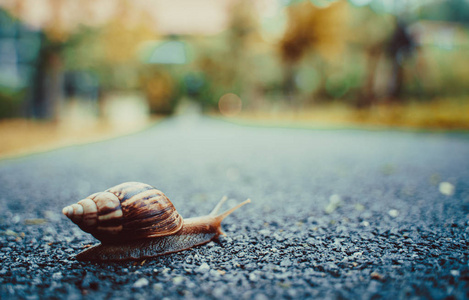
point(335, 213)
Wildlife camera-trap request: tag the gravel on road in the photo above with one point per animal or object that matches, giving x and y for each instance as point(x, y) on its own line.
point(335, 214)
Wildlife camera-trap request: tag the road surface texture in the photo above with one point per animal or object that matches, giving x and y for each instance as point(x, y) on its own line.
point(335, 214)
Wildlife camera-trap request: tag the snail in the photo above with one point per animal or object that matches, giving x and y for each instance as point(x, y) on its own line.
point(134, 220)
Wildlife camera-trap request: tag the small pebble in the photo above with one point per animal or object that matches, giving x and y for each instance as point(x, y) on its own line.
point(214, 274)
point(10, 232)
point(218, 292)
point(334, 202)
point(16, 219)
point(286, 263)
point(455, 273)
point(221, 272)
point(178, 279)
point(359, 207)
point(37, 221)
point(261, 297)
point(52, 216)
point(446, 188)
point(203, 268)
point(140, 283)
point(376, 275)
point(393, 213)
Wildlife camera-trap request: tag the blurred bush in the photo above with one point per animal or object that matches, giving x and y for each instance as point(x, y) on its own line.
point(263, 54)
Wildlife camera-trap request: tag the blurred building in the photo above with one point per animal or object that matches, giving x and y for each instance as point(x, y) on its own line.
point(19, 49)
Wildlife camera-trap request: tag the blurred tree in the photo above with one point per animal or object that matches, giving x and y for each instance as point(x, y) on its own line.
point(118, 41)
point(369, 35)
point(401, 46)
point(225, 61)
point(64, 24)
point(218, 75)
point(124, 32)
point(449, 10)
point(243, 35)
point(44, 101)
point(16, 63)
point(45, 93)
point(312, 29)
point(159, 87)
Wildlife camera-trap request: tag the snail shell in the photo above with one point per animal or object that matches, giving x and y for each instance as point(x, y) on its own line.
point(128, 211)
point(134, 220)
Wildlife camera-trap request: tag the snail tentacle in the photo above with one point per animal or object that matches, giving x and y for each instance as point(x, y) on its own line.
point(217, 207)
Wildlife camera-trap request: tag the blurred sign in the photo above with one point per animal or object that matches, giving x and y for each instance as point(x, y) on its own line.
point(166, 52)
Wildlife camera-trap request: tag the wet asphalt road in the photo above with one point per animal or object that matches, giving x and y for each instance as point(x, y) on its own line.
point(335, 214)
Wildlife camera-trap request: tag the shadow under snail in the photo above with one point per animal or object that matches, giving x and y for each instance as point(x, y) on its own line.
point(134, 220)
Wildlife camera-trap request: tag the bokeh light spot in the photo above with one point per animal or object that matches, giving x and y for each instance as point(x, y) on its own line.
point(230, 105)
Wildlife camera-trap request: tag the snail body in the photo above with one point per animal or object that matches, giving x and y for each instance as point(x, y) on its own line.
point(134, 221)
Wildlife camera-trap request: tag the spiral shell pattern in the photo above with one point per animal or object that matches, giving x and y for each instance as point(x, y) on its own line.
point(125, 212)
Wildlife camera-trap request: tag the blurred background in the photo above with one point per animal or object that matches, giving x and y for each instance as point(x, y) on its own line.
point(91, 66)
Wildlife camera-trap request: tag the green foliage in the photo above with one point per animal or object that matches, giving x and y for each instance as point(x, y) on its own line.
point(450, 10)
point(329, 50)
point(10, 103)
